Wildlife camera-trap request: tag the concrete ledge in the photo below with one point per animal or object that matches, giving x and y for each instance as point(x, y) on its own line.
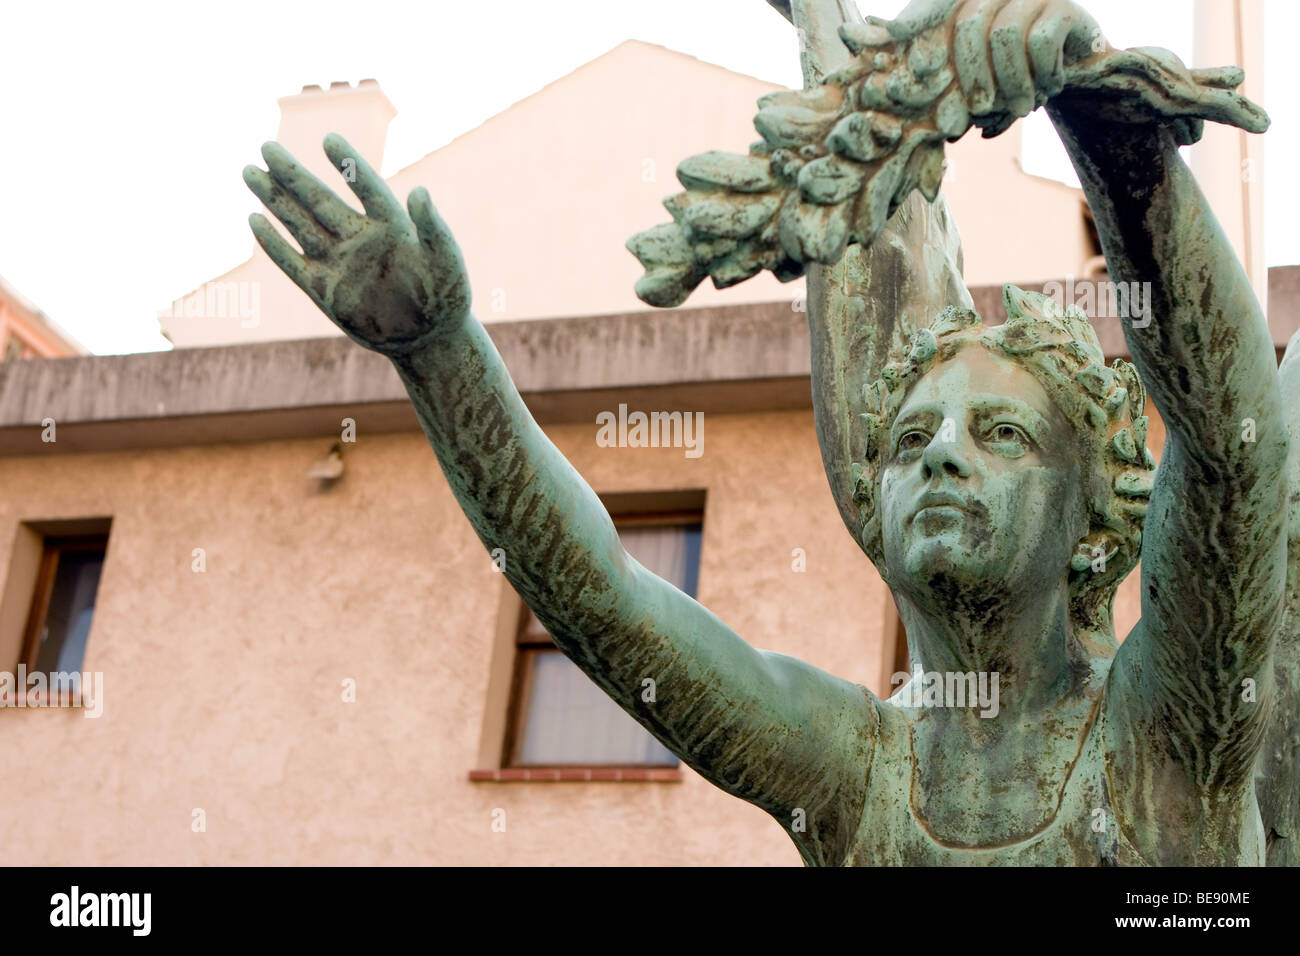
point(731, 359)
point(718, 360)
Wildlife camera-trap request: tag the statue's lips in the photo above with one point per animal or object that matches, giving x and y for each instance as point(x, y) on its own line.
point(937, 504)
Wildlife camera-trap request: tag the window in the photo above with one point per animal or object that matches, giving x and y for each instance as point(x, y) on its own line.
point(58, 623)
point(559, 716)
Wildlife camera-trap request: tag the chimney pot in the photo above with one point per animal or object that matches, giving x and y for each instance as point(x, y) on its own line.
point(361, 119)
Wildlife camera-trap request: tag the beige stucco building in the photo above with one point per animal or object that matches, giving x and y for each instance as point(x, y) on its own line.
point(327, 670)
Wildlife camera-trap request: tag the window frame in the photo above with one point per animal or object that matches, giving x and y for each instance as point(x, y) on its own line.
point(527, 645)
point(52, 549)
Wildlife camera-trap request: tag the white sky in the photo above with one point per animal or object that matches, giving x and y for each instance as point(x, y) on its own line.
point(127, 124)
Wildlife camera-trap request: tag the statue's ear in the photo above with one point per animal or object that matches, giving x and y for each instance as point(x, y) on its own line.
point(1093, 551)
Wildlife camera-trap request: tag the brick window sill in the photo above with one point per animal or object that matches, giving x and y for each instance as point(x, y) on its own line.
point(578, 775)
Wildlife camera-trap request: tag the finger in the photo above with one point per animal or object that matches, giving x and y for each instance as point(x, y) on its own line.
point(433, 232)
point(919, 16)
point(1110, 69)
point(970, 50)
point(1008, 47)
point(1235, 110)
point(375, 196)
point(1227, 107)
point(436, 238)
point(1047, 48)
point(282, 254)
point(317, 198)
point(1188, 131)
point(284, 207)
point(1224, 77)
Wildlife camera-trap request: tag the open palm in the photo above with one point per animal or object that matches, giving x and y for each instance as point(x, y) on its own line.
point(387, 279)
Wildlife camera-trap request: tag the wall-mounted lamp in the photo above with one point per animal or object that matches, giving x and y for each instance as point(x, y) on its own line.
point(330, 467)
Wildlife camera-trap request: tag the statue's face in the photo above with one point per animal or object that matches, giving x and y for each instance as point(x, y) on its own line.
point(981, 487)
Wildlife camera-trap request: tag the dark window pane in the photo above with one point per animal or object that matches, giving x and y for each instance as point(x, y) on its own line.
point(690, 584)
point(72, 602)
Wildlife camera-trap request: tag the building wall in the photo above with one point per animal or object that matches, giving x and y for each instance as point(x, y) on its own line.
point(1037, 236)
point(223, 689)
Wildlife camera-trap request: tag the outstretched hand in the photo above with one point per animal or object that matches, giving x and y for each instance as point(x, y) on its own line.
point(1148, 84)
point(389, 280)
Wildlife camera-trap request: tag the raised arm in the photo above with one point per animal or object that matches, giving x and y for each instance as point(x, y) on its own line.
point(864, 308)
point(1198, 666)
point(764, 727)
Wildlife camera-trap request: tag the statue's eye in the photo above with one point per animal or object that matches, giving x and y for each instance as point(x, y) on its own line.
point(913, 442)
point(1004, 433)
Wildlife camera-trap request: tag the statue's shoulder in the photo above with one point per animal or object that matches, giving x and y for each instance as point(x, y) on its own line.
point(895, 724)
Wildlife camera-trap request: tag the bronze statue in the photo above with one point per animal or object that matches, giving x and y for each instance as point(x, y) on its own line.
point(998, 477)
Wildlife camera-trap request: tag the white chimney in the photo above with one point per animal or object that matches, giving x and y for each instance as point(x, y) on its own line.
point(360, 114)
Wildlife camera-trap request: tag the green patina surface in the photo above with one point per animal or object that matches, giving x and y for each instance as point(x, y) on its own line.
point(997, 476)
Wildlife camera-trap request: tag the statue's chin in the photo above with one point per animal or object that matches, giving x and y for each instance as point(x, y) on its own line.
point(941, 571)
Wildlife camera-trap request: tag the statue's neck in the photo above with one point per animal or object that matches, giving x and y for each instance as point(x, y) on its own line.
point(1025, 640)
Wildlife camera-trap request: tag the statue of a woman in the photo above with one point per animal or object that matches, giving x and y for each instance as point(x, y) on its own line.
point(997, 476)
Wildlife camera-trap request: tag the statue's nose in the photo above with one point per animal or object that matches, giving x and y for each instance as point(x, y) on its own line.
point(945, 456)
